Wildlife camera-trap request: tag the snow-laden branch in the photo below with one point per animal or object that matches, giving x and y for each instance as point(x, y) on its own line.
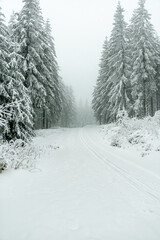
point(4, 113)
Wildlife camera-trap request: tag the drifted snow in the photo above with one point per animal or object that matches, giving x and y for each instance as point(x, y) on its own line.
point(82, 189)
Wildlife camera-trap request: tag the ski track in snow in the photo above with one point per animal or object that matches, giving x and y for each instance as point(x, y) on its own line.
point(83, 191)
point(102, 155)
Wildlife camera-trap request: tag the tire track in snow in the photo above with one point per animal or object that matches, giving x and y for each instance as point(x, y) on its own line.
point(137, 184)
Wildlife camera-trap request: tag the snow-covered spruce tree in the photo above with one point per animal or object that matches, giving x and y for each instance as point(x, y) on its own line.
point(119, 68)
point(158, 73)
point(68, 114)
point(4, 59)
point(20, 123)
point(52, 109)
point(4, 72)
point(38, 65)
point(112, 90)
point(29, 34)
point(142, 45)
point(100, 101)
point(13, 95)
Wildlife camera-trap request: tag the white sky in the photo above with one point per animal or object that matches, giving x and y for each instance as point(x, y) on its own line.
point(79, 28)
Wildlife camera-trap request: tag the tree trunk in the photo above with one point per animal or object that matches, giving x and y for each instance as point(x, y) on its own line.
point(44, 119)
point(144, 98)
point(152, 110)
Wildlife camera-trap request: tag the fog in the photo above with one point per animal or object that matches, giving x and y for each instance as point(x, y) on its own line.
point(79, 29)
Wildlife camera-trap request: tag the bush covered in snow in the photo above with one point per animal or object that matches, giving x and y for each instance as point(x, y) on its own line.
point(17, 154)
point(144, 133)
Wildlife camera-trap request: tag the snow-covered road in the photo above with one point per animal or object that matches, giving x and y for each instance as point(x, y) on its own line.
point(83, 190)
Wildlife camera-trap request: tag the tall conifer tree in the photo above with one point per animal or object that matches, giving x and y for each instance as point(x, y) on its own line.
point(52, 108)
point(19, 125)
point(29, 35)
point(142, 45)
point(112, 91)
point(118, 66)
point(100, 102)
point(38, 65)
point(4, 59)
point(13, 94)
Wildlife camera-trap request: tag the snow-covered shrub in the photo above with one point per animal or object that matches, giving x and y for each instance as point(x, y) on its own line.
point(156, 119)
point(18, 154)
point(136, 137)
point(115, 141)
point(122, 117)
point(144, 134)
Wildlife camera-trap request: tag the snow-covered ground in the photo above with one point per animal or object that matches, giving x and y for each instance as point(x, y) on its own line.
point(82, 189)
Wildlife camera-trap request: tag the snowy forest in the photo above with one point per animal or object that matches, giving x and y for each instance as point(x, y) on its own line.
point(129, 74)
point(32, 93)
point(79, 161)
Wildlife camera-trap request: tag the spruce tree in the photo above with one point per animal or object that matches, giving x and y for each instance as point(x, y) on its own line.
point(13, 94)
point(4, 73)
point(19, 124)
point(157, 77)
point(142, 45)
point(38, 63)
point(112, 91)
point(52, 108)
point(100, 95)
point(4, 58)
point(118, 66)
point(29, 32)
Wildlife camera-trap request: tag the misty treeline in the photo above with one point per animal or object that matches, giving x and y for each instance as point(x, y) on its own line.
point(85, 114)
point(129, 75)
point(73, 114)
point(32, 94)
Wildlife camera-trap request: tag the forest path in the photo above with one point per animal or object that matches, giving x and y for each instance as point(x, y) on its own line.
point(83, 190)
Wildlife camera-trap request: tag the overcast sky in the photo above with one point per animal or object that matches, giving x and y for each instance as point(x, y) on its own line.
point(79, 28)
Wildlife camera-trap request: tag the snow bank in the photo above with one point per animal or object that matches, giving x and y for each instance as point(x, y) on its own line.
point(142, 134)
point(18, 154)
